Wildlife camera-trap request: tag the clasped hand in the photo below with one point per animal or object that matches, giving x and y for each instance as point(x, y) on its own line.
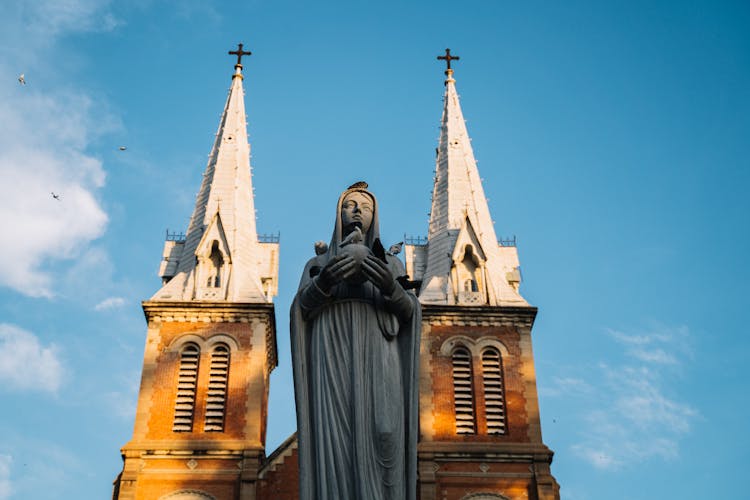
point(342, 267)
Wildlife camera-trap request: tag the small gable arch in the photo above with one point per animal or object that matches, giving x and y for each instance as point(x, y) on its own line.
point(179, 343)
point(455, 342)
point(222, 338)
point(187, 495)
point(492, 342)
point(484, 496)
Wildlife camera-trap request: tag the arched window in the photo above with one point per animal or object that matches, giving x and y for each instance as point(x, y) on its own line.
point(470, 285)
point(216, 262)
point(494, 393)
point(187, 380)
point(217, 389)
point(463, 391)
point(467, 275)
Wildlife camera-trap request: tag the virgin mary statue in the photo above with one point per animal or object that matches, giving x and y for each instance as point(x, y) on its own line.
point(355, 347)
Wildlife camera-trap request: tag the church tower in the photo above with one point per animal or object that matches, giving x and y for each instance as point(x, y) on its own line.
point(480, 432)
point(200, 425)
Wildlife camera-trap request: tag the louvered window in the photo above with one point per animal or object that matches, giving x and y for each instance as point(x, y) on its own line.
point(187, 381)
point(217, 389)
point(462, 391)
point(494, 393)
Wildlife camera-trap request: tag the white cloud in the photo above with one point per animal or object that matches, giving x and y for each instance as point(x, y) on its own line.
point(654, 356)
point(5, 484)
point(49, 19)
point(565, 386)
point(628, 412)
point(653, 346)
point(643, 403)
point(45, 131)
point(110, 303)
point(599, 458)
point(124, 402)
point(27, 365)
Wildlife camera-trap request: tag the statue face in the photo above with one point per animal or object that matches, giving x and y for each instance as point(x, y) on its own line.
point(356, 210)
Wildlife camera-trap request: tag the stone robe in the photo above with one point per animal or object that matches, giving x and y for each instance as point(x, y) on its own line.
point(355, 353)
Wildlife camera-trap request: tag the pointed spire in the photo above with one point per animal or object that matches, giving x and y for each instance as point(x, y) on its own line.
point(223, 220)
point(458, 189)
point(459, 213)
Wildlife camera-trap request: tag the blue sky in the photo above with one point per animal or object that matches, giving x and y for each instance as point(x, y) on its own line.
point(613, 142)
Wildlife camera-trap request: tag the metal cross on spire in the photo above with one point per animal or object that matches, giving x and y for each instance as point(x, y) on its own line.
point(239, 53)
point(448, 58)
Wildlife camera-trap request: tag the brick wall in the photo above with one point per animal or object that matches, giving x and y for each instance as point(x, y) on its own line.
point(281, 482)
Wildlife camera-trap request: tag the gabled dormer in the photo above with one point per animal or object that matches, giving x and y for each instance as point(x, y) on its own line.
point(214, 263)
point(468, 279)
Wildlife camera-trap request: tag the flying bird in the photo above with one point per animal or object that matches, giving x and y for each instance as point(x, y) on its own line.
point(21, 79)
point(123, 148)
point(396, 248)
point(55, 196)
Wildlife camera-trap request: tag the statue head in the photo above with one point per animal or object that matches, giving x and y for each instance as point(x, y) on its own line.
point(356, 208)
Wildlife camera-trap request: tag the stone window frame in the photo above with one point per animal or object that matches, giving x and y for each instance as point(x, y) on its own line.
point(476, 347)
point(204, 345)
point(498, 415)
point(216, 392)
point(468, 408)
point(185, 393)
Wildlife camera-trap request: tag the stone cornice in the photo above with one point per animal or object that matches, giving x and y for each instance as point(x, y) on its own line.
point(484, 451)
point(478, 315)
point(206, 312)
point(163, 447)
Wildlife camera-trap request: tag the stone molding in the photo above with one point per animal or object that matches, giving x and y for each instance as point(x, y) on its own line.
point(206, 312)
point(484, 451)
point(212, 448)
point(479, 316)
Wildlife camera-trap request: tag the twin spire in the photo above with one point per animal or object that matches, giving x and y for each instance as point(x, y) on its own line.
point(220, 258)
point(462, 262)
